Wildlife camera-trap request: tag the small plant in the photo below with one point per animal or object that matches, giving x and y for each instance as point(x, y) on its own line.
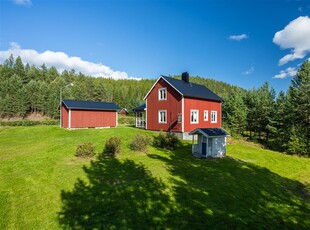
point(140, 143)
point(85, 150)
point(112, 146)
point(166, 141)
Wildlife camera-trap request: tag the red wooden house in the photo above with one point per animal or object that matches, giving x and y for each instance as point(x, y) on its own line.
point(181, 106)
point(88, 114)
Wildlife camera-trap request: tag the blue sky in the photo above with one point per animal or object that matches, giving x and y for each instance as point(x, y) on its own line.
point(231, 41)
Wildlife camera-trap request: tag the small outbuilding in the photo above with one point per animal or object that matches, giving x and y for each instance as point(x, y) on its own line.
point(123, 112)
point(209, 142)
point(88, 114)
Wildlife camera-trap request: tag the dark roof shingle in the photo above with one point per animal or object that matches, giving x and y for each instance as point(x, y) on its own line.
point(192, 90)
point(211, 132)
point(140, 108)
point(90, 105)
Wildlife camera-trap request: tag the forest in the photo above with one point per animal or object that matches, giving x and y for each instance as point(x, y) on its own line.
point(279, 121)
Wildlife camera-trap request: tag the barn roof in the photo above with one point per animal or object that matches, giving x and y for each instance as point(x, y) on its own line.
point(210, 132)
point(140, 108)
point(189, 89)
point(90, 105)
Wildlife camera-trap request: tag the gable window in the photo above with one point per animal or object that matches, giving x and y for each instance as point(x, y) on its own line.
point(205, 115)
point(162, 94)
point(162, 116)
point(213, 116)
point(194, 116)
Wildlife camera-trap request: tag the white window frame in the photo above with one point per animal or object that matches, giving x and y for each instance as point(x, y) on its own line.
point(180, 118)
point(206, 118)
point(194, 122)
point(159, 117)
point(213, 116)
point(160, 98)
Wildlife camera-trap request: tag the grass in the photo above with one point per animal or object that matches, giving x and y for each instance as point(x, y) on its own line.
point(43, 186)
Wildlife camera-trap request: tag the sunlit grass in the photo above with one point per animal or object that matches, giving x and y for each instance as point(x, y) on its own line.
point(250, 186)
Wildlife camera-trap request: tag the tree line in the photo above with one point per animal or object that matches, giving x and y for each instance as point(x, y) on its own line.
point(280, 121)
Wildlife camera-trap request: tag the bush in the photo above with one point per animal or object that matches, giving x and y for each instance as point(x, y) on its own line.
point(85, 150)
point(112, 146)
point(166, 141)
point(140, 143)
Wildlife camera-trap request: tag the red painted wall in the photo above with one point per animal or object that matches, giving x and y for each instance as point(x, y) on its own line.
point(201, 105)
point(173, 105)
point(64, 116)
point(92, 118)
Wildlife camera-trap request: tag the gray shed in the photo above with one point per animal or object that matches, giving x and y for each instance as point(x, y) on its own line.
point(209, 142)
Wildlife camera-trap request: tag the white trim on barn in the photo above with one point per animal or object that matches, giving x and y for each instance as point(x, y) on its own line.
point(69, 119)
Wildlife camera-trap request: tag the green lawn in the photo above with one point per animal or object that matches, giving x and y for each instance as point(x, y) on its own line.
point(43, 186)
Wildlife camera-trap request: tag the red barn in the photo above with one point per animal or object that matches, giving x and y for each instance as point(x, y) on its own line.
point(181, 106)
point(88, 114)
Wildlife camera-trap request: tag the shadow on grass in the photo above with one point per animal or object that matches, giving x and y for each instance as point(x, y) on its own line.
point(119, 195)
point(228, 193)
point(217, 194)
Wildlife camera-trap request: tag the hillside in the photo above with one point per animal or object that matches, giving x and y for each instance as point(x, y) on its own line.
point(44, 186)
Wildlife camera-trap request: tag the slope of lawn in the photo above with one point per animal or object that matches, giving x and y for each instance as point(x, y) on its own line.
point(43, 186)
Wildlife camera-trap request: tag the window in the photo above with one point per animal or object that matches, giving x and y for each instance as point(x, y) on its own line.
point(194, 117)
point(213, 116)
point(205, 115)
point(162, 94)
point(180, 118)
point(162, 118)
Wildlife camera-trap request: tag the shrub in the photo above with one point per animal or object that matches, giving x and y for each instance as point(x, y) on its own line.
point(28, 123)
point(112, 146)
point(85, 150)
point(140, 143)
point(166, 141)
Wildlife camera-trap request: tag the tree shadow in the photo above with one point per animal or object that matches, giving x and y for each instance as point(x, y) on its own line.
point(119, 195)
point(231, 194)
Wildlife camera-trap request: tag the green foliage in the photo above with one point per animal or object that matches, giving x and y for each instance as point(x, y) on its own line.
point(113, 146)
point(140, 143)
point(85, 150)
point(166, 140)
point(29, 123)
point(126, 120)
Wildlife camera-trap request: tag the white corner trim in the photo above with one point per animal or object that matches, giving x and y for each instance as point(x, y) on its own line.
point(146, 114)
point(69, 116)
point(183, 115)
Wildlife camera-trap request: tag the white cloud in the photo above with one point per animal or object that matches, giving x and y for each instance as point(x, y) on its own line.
point(23, 2)
point(249, 71)
point(238, 37)
point(295, 36)
point(289, 72)
point(62, 62)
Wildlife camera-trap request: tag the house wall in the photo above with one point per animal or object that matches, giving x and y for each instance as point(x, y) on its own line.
point(201, 105)
point(219, 146)
point(64, 116)
point(173, 105)
point(93, 118)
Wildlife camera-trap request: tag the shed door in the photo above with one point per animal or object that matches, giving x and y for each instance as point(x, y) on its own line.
point(204, 146)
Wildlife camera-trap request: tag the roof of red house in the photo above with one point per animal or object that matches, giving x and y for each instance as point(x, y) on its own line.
point(140, 108)
point(189, 89)
point(90, 105)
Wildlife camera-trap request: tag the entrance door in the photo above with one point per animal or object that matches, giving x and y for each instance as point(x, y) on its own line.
point(204, 146)
point(210, 140)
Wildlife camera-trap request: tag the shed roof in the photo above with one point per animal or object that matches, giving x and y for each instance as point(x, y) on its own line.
point(140, 108)
point(90, 105)
point(189, 89)
point(210, 132)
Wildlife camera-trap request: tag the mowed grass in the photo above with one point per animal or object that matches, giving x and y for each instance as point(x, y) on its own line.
point(44, 186)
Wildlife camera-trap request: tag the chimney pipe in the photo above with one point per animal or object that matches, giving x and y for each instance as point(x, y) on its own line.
point(185, 77)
